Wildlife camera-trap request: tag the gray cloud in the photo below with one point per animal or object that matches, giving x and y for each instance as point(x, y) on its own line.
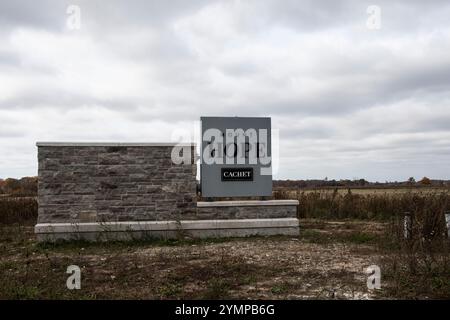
point(348, 101)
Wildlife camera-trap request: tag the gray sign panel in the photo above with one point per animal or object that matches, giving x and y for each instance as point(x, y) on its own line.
point(235, 157)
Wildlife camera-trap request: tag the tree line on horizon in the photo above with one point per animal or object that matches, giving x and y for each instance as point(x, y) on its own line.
point(317, 183)
point(27, 186)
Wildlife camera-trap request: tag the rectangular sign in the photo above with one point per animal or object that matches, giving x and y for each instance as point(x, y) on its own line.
point(235, 157)
point(237, 174)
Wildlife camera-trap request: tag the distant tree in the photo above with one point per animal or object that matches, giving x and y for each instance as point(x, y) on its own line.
point(425, 181)
point(11, 186)
point(28, 186)
point(411, 180)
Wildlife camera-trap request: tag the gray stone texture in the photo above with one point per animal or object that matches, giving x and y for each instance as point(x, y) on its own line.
point(247, 212)
point(114, 183)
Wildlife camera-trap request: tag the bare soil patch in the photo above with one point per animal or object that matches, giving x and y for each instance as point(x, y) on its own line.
point(327, 261)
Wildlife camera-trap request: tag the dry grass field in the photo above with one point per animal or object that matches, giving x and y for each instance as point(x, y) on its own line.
point(367, 190)
point(326, 262)
point(365, 203)
point(341, 235)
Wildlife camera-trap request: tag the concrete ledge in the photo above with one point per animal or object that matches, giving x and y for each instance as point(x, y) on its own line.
point(112, 144)
point(247, 203)
point(166, 229)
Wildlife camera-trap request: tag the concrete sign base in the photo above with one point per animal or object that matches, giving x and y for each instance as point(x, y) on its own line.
point(113, 231)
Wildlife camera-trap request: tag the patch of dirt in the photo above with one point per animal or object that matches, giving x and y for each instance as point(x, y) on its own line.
point(249, 268)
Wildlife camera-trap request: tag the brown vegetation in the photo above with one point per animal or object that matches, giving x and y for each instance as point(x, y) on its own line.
point(419, 264)
point(348, 205)
point(327, 262)
point(341, 234)
point(21, 210)
point(24, 187)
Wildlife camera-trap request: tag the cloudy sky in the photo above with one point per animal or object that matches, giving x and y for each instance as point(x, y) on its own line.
point(354, 93)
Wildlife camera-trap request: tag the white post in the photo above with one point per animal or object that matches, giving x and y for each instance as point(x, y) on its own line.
point(407, 225)
point(447, 222)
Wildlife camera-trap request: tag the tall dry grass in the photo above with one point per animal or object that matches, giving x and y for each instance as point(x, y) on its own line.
point(414, 267)
point(418, 266)
point(338, 205)
point(23, 210)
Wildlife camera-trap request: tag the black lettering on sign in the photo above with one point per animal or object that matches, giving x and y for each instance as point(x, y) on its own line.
point(237, 174)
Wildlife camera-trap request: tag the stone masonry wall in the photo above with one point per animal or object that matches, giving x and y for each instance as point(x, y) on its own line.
point(97, 183)
point(247, 212)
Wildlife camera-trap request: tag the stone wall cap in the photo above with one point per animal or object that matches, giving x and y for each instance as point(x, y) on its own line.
point(113, 144)
point(247, 203)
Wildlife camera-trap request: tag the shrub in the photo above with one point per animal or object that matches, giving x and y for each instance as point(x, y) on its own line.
point(419, 266)
point(326, 205)
point(18, 210)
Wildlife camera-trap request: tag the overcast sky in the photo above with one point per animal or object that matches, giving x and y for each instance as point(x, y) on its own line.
point(353, 96)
